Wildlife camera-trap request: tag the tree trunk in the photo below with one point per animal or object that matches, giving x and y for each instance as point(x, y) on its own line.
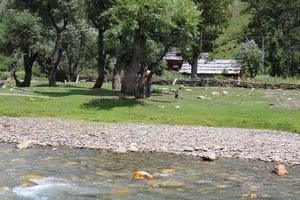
point(28, 77)
point(194, 72)
point(29, 59)
point(116, 80)
point(140, 88)
point(101, 59)
point(131, 72)
point(55, 59)
point(130, 79)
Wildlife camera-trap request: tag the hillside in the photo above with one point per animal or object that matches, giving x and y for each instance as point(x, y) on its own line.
point(226, 44)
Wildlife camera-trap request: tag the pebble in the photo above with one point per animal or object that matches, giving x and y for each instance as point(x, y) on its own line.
point(133, 148)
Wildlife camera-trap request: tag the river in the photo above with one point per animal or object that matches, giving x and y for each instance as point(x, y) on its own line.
point(65, 174)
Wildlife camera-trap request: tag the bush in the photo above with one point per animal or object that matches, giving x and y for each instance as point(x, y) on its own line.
point(249, 57)
point(4, 63)
point(4, 75)
point(172, 75)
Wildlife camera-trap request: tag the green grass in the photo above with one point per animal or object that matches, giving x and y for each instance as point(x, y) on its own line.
point(276, 80)
point(171, 75)
point(226, 45)
point(240, 108)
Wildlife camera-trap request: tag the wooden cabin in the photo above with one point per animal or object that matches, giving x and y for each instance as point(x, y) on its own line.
point(174, 60)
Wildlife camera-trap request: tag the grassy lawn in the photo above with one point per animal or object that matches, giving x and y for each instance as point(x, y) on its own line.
point(239, 108)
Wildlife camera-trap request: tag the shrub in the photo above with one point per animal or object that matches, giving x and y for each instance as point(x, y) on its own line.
point(4, 75)
point(249, 57)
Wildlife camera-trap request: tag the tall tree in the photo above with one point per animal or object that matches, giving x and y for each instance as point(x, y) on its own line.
point(95, 11)
point(150, 27)
point(56, 16)
point(214, 18)
point(278, 23)
point(22, 31)
point(80, 49)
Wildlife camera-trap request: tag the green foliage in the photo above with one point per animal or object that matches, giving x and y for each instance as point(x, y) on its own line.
point(80, 49)
point(277, 80)
point(278, 23)
point(171, 75)
point(4, 75)
point(4, 63)
point(249, 56)
point(22, 30)
point(226, 45)
point(153, 25)
point(214, 18)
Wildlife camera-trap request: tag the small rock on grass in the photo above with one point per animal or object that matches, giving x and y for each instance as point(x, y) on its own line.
point(216, 93)
point(204, 98)
point(225, 93)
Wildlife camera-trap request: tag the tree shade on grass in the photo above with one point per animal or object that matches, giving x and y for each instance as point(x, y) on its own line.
point(243, 108)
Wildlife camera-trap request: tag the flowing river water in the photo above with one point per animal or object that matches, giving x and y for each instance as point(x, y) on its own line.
point(65, 174)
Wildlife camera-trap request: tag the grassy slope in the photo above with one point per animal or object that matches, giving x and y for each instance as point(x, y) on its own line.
point(241, 108)
point(227, 43)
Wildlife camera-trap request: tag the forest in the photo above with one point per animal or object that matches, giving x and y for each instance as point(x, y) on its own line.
point(125, 41)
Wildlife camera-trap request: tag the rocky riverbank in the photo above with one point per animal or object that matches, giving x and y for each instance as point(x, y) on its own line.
point(199, 142)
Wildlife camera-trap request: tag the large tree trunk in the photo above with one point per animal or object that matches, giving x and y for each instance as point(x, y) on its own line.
point(101, 59)
point(28, 77)
point(29, 58)
point(131, 72)
point(194, 72)
point(55, 59)
point(130, 79)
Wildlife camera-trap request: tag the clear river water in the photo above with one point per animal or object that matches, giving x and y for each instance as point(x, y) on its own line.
point(67, 174)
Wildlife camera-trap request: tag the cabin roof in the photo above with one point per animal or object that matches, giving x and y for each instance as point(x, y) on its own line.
point(213, 67)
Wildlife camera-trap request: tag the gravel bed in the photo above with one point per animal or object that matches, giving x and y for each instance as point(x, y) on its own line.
point(200, 142)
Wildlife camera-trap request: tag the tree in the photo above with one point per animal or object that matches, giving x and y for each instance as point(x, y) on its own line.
point(95, 11)
point(56, 16)
point(277, 22)
point(213, 19)
point(22, 31)
point(148, 29)
point(79, 45)
point(249, 56)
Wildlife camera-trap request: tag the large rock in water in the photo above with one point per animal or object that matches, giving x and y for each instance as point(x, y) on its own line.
point(280, 170)
point(209, 156)
point(26, 144)
point(141, 175)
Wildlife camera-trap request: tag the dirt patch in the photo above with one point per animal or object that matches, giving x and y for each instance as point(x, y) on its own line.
point(289, 104)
